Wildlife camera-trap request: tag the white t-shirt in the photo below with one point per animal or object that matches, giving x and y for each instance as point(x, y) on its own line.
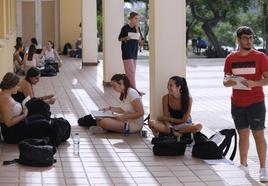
point(126, 105)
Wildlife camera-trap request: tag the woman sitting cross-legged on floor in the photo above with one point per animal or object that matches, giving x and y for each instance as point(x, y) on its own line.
point(176, 110)
point(14, 120)
point(130, 110)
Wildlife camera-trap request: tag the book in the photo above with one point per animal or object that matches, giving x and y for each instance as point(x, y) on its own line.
point(101, 114)
point(239, 85)
point(25, 101)
point(133, 35)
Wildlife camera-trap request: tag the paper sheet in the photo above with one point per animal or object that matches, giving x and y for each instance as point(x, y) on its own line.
point(101, 114)
point(25, 101)
point(219, 162)
point(133, 35)
point(238, 81)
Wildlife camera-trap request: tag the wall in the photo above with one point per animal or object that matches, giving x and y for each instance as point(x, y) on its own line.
point(7, 35)
point(48, 21)
point(70, 17)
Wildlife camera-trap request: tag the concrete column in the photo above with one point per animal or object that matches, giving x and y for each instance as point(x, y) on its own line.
point(8, 16)
point(57, 23)
point(19, 18)
point(38, 21)
point(89, 33)
point(167, 48)
point(2, 19)
point(113, 20)
point(12, 15)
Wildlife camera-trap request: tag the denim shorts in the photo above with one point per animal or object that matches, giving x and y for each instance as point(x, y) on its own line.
point(252, 116)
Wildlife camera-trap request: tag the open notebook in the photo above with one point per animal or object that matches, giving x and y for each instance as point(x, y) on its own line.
point(101, 114)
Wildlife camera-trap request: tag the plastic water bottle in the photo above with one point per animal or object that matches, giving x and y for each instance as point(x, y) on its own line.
point(126, 129)
point(76, 141)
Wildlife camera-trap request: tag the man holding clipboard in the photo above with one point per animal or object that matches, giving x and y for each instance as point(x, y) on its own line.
point(246, 70)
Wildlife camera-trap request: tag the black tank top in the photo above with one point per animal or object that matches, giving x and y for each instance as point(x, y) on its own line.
point(174, 113)
point(19, 97)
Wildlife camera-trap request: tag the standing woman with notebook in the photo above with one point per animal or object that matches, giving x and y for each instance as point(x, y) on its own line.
point(130, 110)
point(130, 39)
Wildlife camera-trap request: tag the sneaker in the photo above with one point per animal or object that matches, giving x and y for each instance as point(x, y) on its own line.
point(244, 168)
point(263, 175)
point(97, 130)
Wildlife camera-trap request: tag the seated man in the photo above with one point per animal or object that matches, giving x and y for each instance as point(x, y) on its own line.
point(201, 44)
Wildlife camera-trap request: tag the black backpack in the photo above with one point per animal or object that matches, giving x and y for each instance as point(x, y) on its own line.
point(206, 148)
point(38, 106)
point(62, 129)
point(66, 47)
point(35, 152)
point(167, 145)
point(48, 71)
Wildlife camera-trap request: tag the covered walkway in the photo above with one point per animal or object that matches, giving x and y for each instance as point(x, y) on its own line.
point(112, 159)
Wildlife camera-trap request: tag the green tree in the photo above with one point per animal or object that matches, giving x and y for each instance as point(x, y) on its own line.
point(209, 13)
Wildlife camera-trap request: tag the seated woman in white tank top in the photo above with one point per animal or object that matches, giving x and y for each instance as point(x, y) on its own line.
point(49, 53)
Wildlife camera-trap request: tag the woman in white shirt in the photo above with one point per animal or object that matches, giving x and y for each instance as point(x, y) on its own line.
point(130, 110)
point(49, 53)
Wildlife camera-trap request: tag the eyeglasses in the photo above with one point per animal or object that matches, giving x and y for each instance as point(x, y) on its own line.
point(246, 38)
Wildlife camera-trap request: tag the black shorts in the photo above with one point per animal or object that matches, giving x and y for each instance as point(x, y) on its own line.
point(252, 116)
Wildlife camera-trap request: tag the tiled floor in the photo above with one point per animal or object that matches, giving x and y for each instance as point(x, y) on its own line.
point(112, 159)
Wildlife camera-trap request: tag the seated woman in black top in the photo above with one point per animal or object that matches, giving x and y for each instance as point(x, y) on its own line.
point(176, 110)
point(26, 87)
point(14, 120)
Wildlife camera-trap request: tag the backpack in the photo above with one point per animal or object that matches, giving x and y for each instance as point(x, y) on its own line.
point(62, 129)
point(49, 70)
point(66, 47)
point(35, 152)
point(38, 106)
point(167, 145)
point(215, 147)
point(87, 121)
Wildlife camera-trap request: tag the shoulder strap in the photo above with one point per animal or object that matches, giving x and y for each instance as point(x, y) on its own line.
point(146, 120)
point(225, 145)
point(10, 162)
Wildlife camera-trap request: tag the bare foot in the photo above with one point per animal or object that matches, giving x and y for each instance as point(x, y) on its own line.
point(196, 127)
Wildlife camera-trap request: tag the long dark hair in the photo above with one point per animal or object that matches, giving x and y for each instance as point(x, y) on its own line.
point(117, 78)
point(32, 72)
point(34, 41)
point(185, 98)
point(31, 52)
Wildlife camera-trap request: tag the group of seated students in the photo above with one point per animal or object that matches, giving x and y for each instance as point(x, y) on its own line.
point(15, 119)
point(176, 110)
point(16, 124)
point(34, 56)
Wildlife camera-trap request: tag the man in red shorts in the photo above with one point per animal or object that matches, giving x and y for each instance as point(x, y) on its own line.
point(246, 70)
